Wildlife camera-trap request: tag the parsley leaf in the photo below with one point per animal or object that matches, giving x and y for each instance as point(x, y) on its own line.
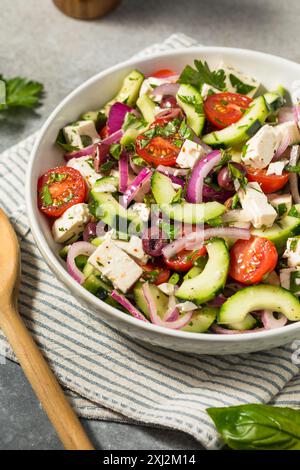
point(202, 75)
point(20, 92)
point(115, 150)
point(46, 196)
point(240, 86)
point(61, 142)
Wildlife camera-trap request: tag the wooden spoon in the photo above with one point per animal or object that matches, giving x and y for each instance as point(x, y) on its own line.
point(34, 365)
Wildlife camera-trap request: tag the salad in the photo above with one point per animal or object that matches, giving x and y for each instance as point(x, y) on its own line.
point(178, 202)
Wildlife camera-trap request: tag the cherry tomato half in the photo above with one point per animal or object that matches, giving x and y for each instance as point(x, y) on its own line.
point(155, 273)
point(159, 150)
point(59, 189)
point(163, 73)
point(251, 260)
point(268, 183)
point(184, 260)
point(223, 109)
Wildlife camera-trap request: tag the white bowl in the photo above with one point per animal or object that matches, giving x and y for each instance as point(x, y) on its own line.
point(92, 94)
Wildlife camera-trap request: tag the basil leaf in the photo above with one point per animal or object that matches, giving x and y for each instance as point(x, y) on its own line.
point(240, 86)
point(258, 427)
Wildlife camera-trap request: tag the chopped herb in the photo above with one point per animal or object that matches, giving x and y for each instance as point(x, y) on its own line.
point(171, 231)
point(185, 132)
point(133, 122)
point(201, 75)
point(294, 212)
point(240, 86)
point(237, 174)
point(174, 279)
point(61, 142)
point(235, 201)
point(177, 197)
point(107, 166)
point(292, 169)
point(46, 196)
point(86, 140)
point(115, 150)
point(178, 143)
point(281, 209)
point(56, 177)
point(139, 161)
point(193, 101)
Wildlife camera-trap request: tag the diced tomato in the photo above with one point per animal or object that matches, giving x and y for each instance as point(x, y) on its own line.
point(268, 183)
point(223, 109)
point(104, 132)
point(163, 73)
point(184, 260)
point(155, 273)
point(252, 260)
point(59, 189)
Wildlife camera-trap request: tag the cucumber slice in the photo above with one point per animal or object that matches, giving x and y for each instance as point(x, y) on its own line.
point(129, 91)
point(193, 213)
point(212, 280)
point(193, 272)
point(161, 300)
point(248, 323)
point(259, 297)
point(162, 188)
point(246, 127)
point(147, 108)
point(107, 184)
point(202, 320)
point(190, 100)
point(287, 227)
point(94, 284)
point(274, 101)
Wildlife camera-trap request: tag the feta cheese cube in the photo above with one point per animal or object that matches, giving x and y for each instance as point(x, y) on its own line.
point(292, 252)
point(261, 148)
point(206, 90)
point(71, 224)
point(287, 129)
point(290, 279)
point(85, 166)
point(281, 202)
point(148, 86)
point(189, 154)
point(142, 210)
point(255, 204)
point(134, 248)
point(116, 265)
point(276, 168)
point(81, 134)
point(167, 288)
point(229, 81)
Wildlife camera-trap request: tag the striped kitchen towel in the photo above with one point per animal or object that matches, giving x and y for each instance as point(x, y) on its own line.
point(110, 376)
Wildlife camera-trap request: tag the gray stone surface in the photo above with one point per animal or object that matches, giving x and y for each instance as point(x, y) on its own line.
point(38, 42)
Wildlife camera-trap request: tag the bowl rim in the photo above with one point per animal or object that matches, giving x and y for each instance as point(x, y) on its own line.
point(62, 274)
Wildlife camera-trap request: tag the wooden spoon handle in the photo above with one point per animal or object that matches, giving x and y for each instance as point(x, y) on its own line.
point(43, 381)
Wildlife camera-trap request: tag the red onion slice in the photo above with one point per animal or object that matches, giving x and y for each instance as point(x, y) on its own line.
point(139, 186)
point(166, 89)
point(90, 150)
point(113, 138)
point(172, 313)
point(122, 300)
point(202, 168)
point(270, 322)
point(101, 155)
point(78, 248)
point(286, 114)
point(286, 142)
point(224, 331)
point(123, 172)
point(116, 116)
point(194, 240)
point(296, 110)
point(171, 171)
point(155, 318)
point(293, 177)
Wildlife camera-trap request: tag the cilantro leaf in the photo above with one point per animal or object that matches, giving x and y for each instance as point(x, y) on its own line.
point(202, 75)
point(20, 92)
point(240, 86)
